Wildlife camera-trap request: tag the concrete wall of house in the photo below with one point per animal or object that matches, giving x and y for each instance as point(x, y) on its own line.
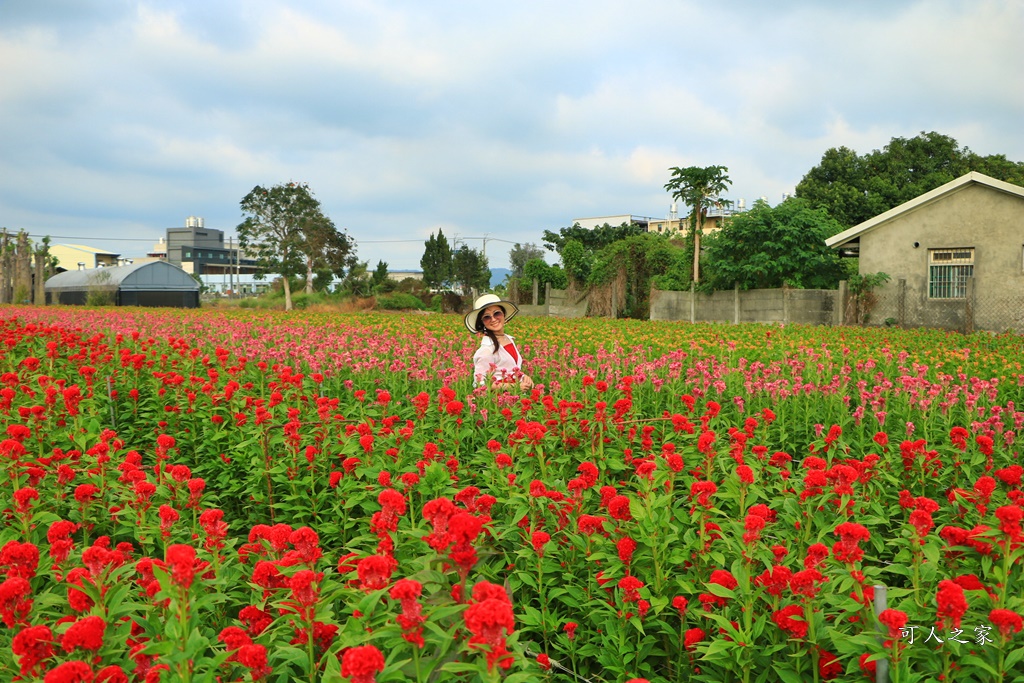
point(977, 216)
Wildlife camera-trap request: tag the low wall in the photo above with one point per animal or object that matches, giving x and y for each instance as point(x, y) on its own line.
point(806, 306)
point(556, 303)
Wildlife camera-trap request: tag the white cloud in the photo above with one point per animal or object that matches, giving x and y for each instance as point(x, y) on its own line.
point(500, 119)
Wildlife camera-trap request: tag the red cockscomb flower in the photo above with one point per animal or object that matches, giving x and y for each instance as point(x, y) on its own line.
point(692, 637)
point(86, 633)
point(34, 646)
point(630, 585)
point(539, 539)
point(951, 604)
point(70, 672)
point(375, 572)
point(490, 618)
point(848, 548)
point(362, 664)
point(1007, 621)
point(408, 592)
point(894, 620)
point(791, 620)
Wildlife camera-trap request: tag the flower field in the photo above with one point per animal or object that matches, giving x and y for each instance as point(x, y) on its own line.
point(211, 496)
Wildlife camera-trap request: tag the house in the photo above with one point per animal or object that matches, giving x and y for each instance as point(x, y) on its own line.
point(714, 219)
point(614, 221)
point(78, 256)
point(400, 275)
point(955, 256)
point(713, 222)
point(202, 251)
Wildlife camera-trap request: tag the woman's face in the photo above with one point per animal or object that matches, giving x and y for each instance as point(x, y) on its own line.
point(493, 318)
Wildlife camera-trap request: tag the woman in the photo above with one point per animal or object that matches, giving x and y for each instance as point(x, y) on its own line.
point(497, 363)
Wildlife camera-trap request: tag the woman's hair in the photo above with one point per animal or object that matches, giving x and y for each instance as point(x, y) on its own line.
point(480, 328)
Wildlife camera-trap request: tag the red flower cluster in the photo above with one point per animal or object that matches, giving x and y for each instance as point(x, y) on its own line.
point(848, 549)
point(408, 592)
point(951, 603)
point(791, 620)
point(245, 652)
point(490, 619)
point(1007, 621)
point(362, 664)
point(719, 577)
point(86, 634)
point(894, 620)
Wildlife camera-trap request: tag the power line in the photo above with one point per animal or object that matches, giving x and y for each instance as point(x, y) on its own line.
point(384, 241)
point(490, 239)
point(95, 239)
point(150, 240)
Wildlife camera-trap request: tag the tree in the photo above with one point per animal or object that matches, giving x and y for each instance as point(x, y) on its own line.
point(855, 188)
point(699, 188)
point(470, 270)
point(356, 281)
point(380, 275)
point(578, 246)
point(520, 254)
point(634, 262)
point(325, 248)
point(538, 269)
point(437, 261)
point(592, 239)
point(767, 247)
point(289, 234)
point(577, 262)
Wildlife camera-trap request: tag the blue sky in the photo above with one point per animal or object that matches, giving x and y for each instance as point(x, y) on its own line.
point(121, 118)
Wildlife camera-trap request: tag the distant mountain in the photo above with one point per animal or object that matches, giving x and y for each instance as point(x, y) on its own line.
point(498, 275)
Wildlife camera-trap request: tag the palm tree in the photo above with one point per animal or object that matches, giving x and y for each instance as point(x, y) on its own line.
point(699, 189)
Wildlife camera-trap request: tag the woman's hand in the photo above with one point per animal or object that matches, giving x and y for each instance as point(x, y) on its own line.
point(525, 382)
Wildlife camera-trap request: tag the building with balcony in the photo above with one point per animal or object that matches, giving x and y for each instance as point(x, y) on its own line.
point(80, 257)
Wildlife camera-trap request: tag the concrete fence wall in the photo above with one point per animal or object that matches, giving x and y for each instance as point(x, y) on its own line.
point(556, 303)
point(806, 306)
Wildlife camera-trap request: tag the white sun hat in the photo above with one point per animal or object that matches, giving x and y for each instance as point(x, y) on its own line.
point(482, 302)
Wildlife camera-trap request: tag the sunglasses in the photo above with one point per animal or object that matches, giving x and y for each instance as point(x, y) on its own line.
point(497, 314)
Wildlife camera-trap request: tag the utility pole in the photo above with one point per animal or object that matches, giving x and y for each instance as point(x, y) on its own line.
point(238, 267)
point(231, 273)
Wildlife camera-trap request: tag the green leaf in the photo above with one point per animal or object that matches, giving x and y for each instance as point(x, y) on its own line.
point(719, 645)
point(720, 591)
point(787, 675)
point(1011, 659)
point(974, 660)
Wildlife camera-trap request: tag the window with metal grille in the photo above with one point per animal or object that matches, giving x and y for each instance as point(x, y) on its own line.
point(948, 270)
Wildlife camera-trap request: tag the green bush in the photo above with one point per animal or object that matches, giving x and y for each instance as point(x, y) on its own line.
point(99, 297)
point(303, 300)
point(399, 301)
point(411, 285)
